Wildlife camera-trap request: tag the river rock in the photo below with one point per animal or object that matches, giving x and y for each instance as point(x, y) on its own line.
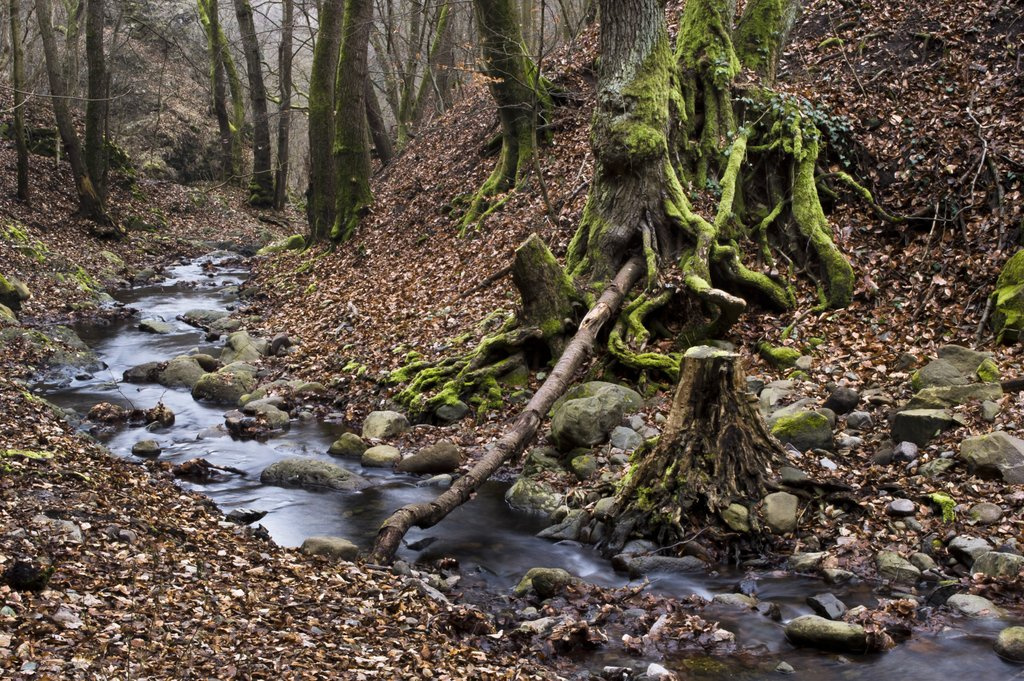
point(545, 582)
point(895, 567)
point(338, 548)
point(804, 430)
point(157, 326)
point(223, 387)
point(271, 414)
point(444, 456)
point(737, 517)
point(589, 413)
point(311, 473)
point(527, 494)
point(349, 444)
point(985, 513)
point(203, 318)
point(735, 600)
point(244, 516)
point(381, 456)
point(827, 606)
point(966, 549)
point(997, 455)
point(998, 564)
point(640, 565)
point(806, 562)
point(780, 512)
point(241, 347)
point(625, 438)
point(207, 362)
point(583, 466)
point(970, 363)
point(817, 632)
point(180, 372)
point(541, 459)
point(920, 425)
point(568, 529)
point(843, 400)
point(1010, 644)
point(141, 373)
point(147, 448)
point(380, 425)
point(224, 325)
point(973, 606)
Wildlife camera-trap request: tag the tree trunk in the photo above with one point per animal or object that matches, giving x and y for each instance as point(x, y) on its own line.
point(519, 433)
point(351, 133)
point(378, 129)
point(18, 82)
point(548, 295)
point(762, 33)
point(716, 450)
point(90, 204)
point(207, 13)
point(323, 180)
point(72, 42)
point(284, 120)
point(261, 186)
point(96, 106)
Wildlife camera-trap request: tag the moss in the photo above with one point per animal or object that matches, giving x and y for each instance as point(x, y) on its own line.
point(946, 504)
point(798, 425)
point(988, 371)
point(25, 454)
point(834, 41)
point(778, 356)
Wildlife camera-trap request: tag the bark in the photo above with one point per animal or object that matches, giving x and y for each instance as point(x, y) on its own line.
point(207, 10)
point(519, 433)
point(90, 204)
point(378, 129)
point(18, 83)
point(96, 106)
point(323, 181)
point(284, 61)
point(72, 41)
point(716, 450)
point(223, 73)
point(261, 185)
point(351, 133)
point(762, 33)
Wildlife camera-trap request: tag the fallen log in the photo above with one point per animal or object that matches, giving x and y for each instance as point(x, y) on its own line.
point(522, 429)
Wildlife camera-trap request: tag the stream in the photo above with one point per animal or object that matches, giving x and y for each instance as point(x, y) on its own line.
point(494, 544)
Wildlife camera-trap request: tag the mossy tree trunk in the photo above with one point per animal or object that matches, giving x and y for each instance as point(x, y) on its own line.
point(224, 78)
point(261, 184)
point(18, 83)
point(96, 104)
point(716, 451)
point(323, 182)
point(351, 131)
point(520, 94)
point(284, 112)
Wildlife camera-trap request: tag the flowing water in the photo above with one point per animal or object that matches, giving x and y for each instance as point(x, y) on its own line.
point(491, 541)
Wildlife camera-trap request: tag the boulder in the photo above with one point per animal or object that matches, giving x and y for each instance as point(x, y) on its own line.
point(349, 444)
point(817, 632)
point(142, 373)
point(780, 512)
point(998, 564)
point(920, 425)
point(271, 414)
point(545, 582)
point(973, 606)
point(311, 473)
point(381, 456)
point(180, 372)
point(895, 567)
point(966, 549)
point(157, 326)
point(938, 373)
point(223, 387)
point(384, 424)
point(629, 398)
point(969, 362)
point(13, 292)
point(589, 419)
point(996, 455)
point(527, 494)
point(146, 448)
point(804, 430)
point(1010, 644)
point(843, 400)
point(443, 456)
point(953, 395)
point(204, 319)
point(338, 548)
point(241, 347)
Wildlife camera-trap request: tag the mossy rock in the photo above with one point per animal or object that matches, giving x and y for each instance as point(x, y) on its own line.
point(804, 430)
point(295, 242)
point(7, 315)
point(941, 397)
point(13, 292)
point(777, 356)
point(223, 387)
point(1008, 300)
point(349, 444)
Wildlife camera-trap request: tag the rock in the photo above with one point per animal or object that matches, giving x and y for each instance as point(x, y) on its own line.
point(735, 600)
point(244, 516)
point(443, 481)
point(938, 373)
point(901, 508)
point(895, 567)
point(827, 606)
point(443, 456)
point(349, 444)
point(797, 407)
point(990, 410)
point(583, 466)
point(1010, 644)
point(7, 315)
point(804, 362)
point(381, 456)
point(451, 412)
point(224, 325)
point(380, 425)
point(207, 362)
point(545, 582)
point(806, 562)
point(588, 420)
point(920, 425)
point(985, 513)
point(996, 455)
point(966, 549)
point(279, 344)
point(626, 438)
point(968, 362)
point(311, 473)
point(737, 517)
point(295, 242)
point(180, 372)
point(148, 448)
point(657, 672)
point(755, 385)
point(804, 430)
point(778, 356)
point(13, 292)
point(792, 476)
point(837, 576)
point(223, 387)
point(998, 564)
point(784, 668)
point(142, 373)
point(818, 632)
point(904, 452)
point(843, 400)
point(568, 529)
point(845, 442)
point(541, 459)
point(640, 565)
point(338, 548)
point(266, 409)
point(974, 606)
point(954, 395)
point(157, 326)
point(241, 347)
point(527, 494)
point(204, 319)
point(538, 626)
point(780, 511)
point(858, 420)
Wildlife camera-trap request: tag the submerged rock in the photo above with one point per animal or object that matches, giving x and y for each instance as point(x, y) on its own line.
point(311, 473)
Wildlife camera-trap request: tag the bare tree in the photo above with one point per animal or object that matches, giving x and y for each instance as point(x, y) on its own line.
point(261, 185)
point(18, 82)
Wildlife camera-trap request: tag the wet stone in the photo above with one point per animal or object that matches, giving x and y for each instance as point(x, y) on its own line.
point(1010, 644)
point(827, 605)
point(147, 448)
point(244, 516)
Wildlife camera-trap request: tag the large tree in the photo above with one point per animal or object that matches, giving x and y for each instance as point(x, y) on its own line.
point(96, 103)
point(321, 196)
point(224, 79)
point(284, 112)
point(18, 83)
point(261, 185)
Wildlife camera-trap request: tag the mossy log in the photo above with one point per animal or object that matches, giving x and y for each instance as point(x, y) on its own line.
point(716, 451)
point(520, 432)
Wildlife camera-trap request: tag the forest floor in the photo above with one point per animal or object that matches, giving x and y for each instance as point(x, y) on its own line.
point(925, 101)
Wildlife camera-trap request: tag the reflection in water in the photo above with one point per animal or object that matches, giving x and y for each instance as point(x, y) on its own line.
point(485, 536)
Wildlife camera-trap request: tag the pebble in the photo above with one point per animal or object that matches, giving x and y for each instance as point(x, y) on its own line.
point(784, 668)
point(828, 463)
point(904, 451)
point(901, 507)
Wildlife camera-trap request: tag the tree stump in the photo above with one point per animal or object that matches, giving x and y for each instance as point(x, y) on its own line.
point(716, 451)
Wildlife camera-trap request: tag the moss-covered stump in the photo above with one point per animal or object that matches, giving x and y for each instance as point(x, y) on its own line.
point(1008, 301)
point(716, 452)
point(548, 295)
